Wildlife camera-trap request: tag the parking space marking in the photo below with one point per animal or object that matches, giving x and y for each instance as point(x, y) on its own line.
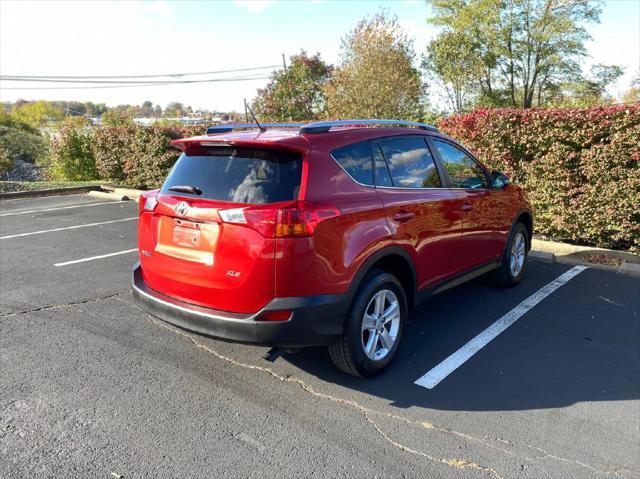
point(27, 198)
point(457, 359)
point(67, 228)
point(97, 257)
point(60, 208)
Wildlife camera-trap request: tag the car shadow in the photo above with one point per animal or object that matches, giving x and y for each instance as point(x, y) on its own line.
point(571, 347)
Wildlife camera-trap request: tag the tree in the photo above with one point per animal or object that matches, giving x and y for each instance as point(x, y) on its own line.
point(592, 90)
point(174, 110)
point(527, 47)
point(146, 110)
point(376, 77)
point(296, 93)
point(115, 117)
point(37, 114)
point(451, 60)
point(632, 95)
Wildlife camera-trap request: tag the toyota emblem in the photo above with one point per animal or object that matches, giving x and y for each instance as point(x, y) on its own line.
point(182, 208)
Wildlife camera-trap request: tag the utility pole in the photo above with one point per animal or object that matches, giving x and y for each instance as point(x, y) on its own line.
point(284, 63)
point(246, 114)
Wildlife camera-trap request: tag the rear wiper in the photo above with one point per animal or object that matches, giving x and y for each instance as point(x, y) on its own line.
point(194, 190)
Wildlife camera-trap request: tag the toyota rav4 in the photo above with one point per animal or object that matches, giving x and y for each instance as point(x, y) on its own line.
point(323, 234)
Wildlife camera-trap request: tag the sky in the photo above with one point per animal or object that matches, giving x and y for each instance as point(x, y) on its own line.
point(101, 37)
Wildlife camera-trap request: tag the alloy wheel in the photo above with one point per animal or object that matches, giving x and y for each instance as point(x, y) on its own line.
point(380, 324)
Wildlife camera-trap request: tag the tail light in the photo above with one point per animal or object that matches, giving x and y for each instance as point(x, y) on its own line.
point(291, 220)
point(148, 201)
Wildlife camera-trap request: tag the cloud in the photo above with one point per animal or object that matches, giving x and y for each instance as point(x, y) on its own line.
point(254, 5)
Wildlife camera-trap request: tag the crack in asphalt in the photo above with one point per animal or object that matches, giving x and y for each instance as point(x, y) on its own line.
point(456, 463)
point(547, 455)
point(459, 463)
point(65, 305)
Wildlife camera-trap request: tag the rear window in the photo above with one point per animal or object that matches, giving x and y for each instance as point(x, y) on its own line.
point(238, 175)
point(356, 160)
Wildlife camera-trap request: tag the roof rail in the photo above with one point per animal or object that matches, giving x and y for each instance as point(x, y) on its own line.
point(325, 126)
point(212, 130)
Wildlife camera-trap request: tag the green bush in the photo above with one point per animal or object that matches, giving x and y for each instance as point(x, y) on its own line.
point(6, 163)
point(580, 167)
point(72, 157)
point(17, 143)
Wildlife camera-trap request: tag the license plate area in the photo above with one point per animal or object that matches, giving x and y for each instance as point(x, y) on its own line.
point(187, 240)
point(186, 235)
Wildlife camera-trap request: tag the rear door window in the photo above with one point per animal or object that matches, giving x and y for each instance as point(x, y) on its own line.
point(383, 178)
point(462, 170)
point(410, 163)
point(356, 161)
point(238, 175)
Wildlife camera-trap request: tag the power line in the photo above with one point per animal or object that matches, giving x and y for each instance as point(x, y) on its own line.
point(217, 80)
point(97, 77)
point(123, 82)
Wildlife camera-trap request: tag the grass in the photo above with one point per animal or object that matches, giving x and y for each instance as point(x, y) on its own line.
point(13, 186)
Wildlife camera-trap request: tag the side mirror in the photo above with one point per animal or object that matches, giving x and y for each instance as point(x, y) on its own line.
point(500, 180)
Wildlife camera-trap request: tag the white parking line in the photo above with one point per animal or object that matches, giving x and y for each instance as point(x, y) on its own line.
point(453, 362)
point(67, 228)
point(96, 257)
point(60, 208)
point(26, 198)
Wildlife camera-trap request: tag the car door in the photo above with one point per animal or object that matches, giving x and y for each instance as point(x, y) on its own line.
point(485, 217)
point(421, 213)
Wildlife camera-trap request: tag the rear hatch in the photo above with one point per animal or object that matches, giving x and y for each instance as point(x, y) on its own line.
point(206, 237)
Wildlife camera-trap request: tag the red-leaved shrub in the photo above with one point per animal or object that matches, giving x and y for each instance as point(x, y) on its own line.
point(580, 167)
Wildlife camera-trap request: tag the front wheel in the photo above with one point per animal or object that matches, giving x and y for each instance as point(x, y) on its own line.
point(514, 260)
point(373, 328)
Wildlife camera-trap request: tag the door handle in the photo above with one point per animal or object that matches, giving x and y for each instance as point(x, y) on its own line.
point(467, 207)
point(403, 216)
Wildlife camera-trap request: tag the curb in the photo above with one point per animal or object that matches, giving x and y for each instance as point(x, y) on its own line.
point(50, 192)
point(117, 194)
point(556, 252)
point(105, 195)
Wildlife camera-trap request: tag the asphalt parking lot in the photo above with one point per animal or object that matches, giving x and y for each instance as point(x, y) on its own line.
point(90, 386)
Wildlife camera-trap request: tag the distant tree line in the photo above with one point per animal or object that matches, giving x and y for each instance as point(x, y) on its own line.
point(40, 114)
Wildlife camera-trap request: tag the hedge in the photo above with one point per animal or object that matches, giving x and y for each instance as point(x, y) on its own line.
point(135, 156)
point(580, 167)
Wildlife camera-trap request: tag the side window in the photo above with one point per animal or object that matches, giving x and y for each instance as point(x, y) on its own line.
point(410, 163)
point(382, 172)
point(356, 160)
point(463, 170)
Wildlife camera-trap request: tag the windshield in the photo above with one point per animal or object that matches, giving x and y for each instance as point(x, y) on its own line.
point(238, 175)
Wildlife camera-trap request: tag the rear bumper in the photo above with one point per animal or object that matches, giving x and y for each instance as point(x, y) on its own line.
point(316, 320)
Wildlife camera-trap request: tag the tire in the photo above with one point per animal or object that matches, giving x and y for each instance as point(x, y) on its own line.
point(507, 275)
point(350, 354)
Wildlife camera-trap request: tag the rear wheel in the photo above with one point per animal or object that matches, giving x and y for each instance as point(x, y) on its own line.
point(514, 260)
point(374, 327)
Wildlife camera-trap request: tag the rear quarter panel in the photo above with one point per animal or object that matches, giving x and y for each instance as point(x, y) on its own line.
point(327, 262)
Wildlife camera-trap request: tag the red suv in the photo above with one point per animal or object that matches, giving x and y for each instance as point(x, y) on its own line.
point(322, 234)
